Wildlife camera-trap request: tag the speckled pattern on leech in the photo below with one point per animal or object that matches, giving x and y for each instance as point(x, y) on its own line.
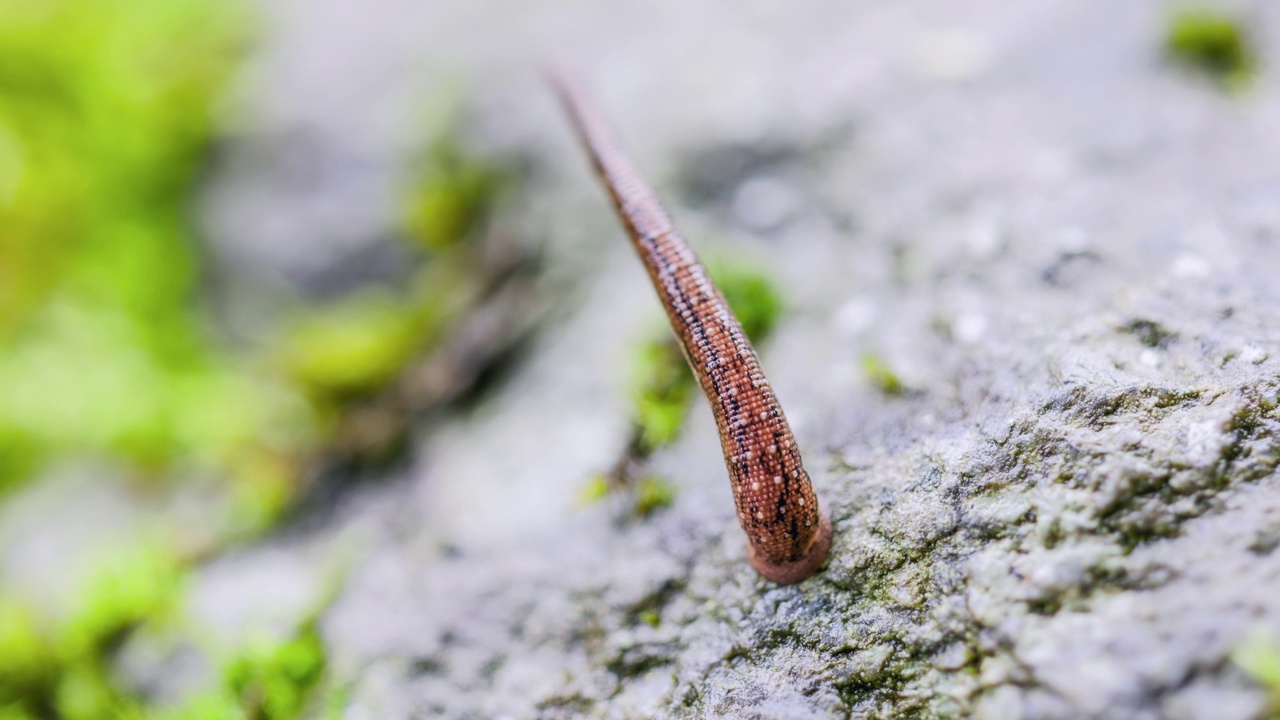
point(787, 533)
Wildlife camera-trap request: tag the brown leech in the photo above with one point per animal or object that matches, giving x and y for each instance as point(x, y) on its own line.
point(788, 534)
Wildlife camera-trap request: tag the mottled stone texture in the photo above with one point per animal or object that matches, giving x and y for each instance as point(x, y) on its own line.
point(1065, 248)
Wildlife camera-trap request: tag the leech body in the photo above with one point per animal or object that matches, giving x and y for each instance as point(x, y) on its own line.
point(788, 533)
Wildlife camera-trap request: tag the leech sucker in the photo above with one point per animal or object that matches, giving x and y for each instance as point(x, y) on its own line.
point(788, 533)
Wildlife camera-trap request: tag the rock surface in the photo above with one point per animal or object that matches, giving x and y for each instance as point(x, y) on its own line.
point(1064, 247)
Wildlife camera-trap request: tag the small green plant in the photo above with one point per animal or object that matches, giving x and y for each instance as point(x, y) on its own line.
point(351, 346)
point(274, 681)
point(595, 490)
point(1211, 43)
point(450, 195)
point(1259, 655)
point(60, 666)
point(664, 384)
point(881, 376)
point(653, 493)
point(665, 388)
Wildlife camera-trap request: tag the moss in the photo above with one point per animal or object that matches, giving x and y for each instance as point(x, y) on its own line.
point(274, 681)
point(352, 346)
point(60, 667)
point(665, 387)
point(450, 194)
point(595, 490)
point(664, 384)
point(645, 496)
point(751, 295)
point(881, 376)
point(1150, 333)
point(106, 118)
point(105, 114)
point(1259, 655)
point(652, 494)
point(1213, 44)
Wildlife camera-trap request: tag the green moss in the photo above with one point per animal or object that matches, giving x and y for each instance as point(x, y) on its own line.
point(750, 294)
point(665, 387)
point(106, 112)
point(450, 194)
point(595, 490)
point(664, 384)
point(274, 681)
point(59, 666)
point(646, 495)
point(881, 376)
point(1213, 44)
point(652, 494)
point(1259, 655)
point(1150, 333)
point(352, 346)
point(266, 680)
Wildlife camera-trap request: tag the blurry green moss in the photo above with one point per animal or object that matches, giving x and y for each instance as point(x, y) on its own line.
point(264, 485)
point(1211, 43)
point(337, 698)
point(652, 494)
point(127, 588)
point(646, 495)
point(665, 388)
point(665, 385)
point(106, 112)
point(28, 661)
point(274, 681)
point(267, 680)
point(1259, 655)
point(595, 490)
point(881, 376)
point(58, 665)
point(352, 346)
point(750, 294)
point(650, 617)
point(450, 194)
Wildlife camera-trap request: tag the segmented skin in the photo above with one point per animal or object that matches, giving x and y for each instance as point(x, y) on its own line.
point(788, 534)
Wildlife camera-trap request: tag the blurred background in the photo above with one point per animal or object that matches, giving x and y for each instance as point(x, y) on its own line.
point(259, 259)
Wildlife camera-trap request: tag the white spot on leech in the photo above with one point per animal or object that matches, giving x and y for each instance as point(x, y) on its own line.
point(759, 515)
point(755, 485)
point(748, 455)
point(786, 443)
point(808, 523)
point(764, 414)
point(801, 502)
point(777, 479)
point(773, 449)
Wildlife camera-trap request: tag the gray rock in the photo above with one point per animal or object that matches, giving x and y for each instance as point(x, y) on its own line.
point(1067, 250)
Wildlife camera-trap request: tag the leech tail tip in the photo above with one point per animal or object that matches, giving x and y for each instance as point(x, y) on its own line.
point(789, 573)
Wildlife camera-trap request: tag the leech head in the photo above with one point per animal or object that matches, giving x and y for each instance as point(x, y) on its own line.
point(788, 534)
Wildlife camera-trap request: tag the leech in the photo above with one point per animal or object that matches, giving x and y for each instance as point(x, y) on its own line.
point(788, 534)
